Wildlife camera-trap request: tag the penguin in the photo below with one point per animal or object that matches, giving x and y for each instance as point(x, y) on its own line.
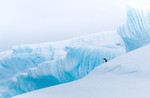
point(105, 60)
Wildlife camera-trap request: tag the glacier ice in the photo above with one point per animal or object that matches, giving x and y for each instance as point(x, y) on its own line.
point(30, 67)
point(136, 31)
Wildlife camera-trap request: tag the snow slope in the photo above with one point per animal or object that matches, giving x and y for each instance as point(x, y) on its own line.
point(127, 76)
point(30, 67)
point(136, 31)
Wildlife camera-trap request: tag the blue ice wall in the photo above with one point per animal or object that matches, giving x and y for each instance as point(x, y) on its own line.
point(29, 67)
point(136, 31)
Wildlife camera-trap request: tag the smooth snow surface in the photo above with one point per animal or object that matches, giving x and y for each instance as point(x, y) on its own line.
point(136, 31)
point(127, 76)
point(30, 67)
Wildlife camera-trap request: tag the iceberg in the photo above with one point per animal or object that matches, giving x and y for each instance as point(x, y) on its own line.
point(30, 67)
point(136, 31)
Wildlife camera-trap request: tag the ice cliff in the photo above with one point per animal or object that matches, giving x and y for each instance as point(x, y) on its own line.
point(30, 67)
point(136, 31)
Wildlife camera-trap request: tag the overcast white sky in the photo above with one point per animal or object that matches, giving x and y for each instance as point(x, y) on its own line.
point(34, 21)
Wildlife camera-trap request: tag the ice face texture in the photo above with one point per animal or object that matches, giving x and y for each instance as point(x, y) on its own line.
point(136, 31)
point(29, 67)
